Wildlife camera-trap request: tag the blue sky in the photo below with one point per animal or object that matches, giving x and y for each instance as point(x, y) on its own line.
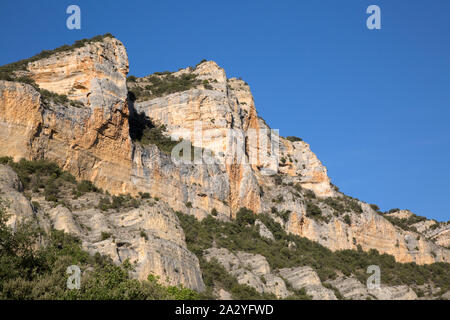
point(374, 105)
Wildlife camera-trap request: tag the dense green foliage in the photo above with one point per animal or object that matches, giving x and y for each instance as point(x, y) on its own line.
point(164, 83)
point(405, 224)
point(160, 84)
point(242, 235)
point(312, 210)
point(46, 176)
point(294, 138)
point(32, 271)
point(343, 204)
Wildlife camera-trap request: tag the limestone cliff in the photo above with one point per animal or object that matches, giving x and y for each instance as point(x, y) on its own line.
point(91, 139)
point(228, 105)
point(150, 236)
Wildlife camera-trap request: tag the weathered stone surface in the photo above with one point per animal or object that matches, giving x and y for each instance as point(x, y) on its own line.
point(306, 278)
point(17, 206)
point(249, 269)
point(149, 236)
point(263, 230)
point(439, 233)
point(351, 288)
point(205, 186)
point(91, 142)
point(394, 293)
point(223, 295)
point(371, 231)
point(62, 219)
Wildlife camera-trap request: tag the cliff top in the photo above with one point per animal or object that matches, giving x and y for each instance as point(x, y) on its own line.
point(7, 70)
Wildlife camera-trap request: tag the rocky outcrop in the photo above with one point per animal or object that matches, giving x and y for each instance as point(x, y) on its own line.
point(16, 205)
point(207, 117)
point(306, 278)
point(437, 232)
point(249, 269)
point(223, 119)
point(92, 142)
point(264, 232)
point(367, 229)
point(350, 288)
point(149, 236)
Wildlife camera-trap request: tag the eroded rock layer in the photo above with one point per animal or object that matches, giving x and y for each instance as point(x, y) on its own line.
point(272, 175)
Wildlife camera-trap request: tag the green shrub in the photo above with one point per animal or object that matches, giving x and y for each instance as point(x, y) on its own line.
point(335, 204)
point(406, 224)
point(86, 186)
point(162, 83)
point(278, 179)
point(312, 209)
point(51, 191)
point(285, 214)
point(104, 203)
point(145, 195)
point(105, 235)
point(310, 194)
point(215, 275)
point(245, 216)
point(347, 219)
point(118, 202)
point(278, 199)
point(143, 234)
point(131, 78)
point(36, 205)
point(294, 139)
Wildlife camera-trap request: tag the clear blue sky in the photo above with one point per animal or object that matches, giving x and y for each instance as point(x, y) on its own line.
point(374, 105)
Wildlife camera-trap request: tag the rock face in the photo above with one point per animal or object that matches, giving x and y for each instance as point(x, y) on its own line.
point(208, 117)
point(371, 231)
point(350, 288)
point(437, 232)
point(149, 236)
point(263, 230)
point(92, 141)
point(307, 278)
point(223, 119)
point(17, 206)
point(249, 269)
